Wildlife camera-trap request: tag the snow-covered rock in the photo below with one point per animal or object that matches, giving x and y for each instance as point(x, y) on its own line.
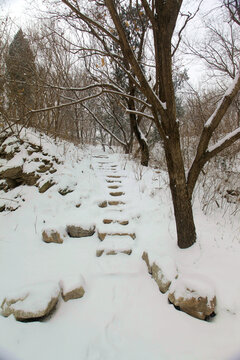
point(194, 294)
point(72, 287)
point(78, 231)
point(32, 302)
point(51, 235)
point(163, 270)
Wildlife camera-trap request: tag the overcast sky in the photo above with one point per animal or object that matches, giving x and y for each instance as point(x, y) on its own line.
point(18, 10)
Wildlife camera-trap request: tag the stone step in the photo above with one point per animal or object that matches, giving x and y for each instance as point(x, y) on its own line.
point(102, 235)
point(121, 222)
point(114, 176)
point(100, 157)
point(113, 187)
point(116, 203)
point(100, 252)
point(113, 181)
point(105, 203)
point(117, 193)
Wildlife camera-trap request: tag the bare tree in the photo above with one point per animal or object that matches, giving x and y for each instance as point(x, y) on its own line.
point(155, 98)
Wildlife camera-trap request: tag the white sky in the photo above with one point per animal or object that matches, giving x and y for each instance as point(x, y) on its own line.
point(18, 10)
point(15, 8)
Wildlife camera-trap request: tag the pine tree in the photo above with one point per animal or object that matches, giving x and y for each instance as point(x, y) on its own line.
point(20, 74)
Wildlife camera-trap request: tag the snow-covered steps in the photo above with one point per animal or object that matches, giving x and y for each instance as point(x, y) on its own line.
point(112, 252)
point(102, 235)
point(105, 203)
point(116, 244)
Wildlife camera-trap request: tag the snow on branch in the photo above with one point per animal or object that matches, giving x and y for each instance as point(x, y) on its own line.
point(127, 96)
point(223, 143)
point(139, 113)
point(64, 104)
point(222, 106)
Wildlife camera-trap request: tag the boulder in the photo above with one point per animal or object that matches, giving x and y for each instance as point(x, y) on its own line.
point(30, 178)
point(163, 270)
point(193, 294)
point(31, 303)
point(77, 231)
point(51, 235)
point(72, 287)
point(11, 173)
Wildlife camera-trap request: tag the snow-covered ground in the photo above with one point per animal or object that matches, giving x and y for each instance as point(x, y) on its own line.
point(122, 314)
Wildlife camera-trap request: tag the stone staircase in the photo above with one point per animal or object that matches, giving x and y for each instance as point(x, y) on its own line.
point(115, 230)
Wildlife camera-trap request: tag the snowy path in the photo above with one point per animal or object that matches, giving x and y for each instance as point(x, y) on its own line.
point(122, 315)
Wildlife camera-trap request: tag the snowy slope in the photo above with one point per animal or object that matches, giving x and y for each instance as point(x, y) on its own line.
point(122, 314)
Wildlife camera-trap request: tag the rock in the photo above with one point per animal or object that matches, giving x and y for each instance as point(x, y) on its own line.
point(3, 185)
point(72, 288)
point(103, 204)
point(51, 235)
point(102, 236)
point(107, 221)
point(31, 303)
point(100, 252)
point(77, 231)
point(163, 270)
point(161, 280)
point(46, 186)
point(11, 183)
point(194, 295)
point(123, 222)
point(117, 193)
point(65, 191)
point(30, 178)
point(146, 259)
point(44, 168)
point(116, 203)
point(11, 173)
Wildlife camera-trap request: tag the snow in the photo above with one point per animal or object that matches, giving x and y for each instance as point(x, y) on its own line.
point(192, 285)
point(225, 138)
point(70, 283)
point(166, 264)
point(122, 315)
point(227, 93)
point(33, 298)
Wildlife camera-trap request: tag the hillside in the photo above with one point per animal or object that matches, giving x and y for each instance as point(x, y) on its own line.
point(75, 218)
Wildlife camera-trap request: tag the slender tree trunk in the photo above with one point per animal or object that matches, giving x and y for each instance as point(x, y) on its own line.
point(134, 126)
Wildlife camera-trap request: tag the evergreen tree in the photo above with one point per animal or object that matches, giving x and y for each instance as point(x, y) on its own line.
point(20, 74)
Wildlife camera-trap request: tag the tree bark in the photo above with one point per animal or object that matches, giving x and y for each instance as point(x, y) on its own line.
point(186, 233)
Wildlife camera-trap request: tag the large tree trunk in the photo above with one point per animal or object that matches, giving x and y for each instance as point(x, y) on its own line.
point(185, 226)
point(164, 26)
